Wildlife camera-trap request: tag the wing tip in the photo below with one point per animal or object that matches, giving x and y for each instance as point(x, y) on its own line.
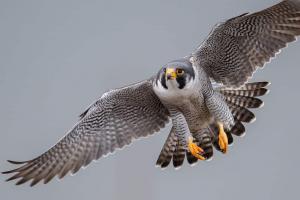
point(17, 162)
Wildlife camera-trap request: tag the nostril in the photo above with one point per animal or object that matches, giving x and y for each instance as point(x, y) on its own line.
point(170, 76)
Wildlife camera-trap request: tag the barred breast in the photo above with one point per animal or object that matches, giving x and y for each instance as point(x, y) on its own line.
point(196, 113)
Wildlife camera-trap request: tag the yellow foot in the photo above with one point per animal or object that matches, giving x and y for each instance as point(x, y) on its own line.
point(223, 140)
point(195, 149)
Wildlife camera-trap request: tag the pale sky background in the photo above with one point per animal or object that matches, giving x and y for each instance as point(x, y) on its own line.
point(58, 56)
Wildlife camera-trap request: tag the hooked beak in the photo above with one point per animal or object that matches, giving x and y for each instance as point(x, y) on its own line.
point(171, 74)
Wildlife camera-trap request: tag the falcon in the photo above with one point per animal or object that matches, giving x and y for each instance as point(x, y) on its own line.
point(206, 96)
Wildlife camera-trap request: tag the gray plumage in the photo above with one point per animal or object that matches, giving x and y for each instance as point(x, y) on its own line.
point(207, 136)
point(183, 91)
point(112, 122)
point(237, 47)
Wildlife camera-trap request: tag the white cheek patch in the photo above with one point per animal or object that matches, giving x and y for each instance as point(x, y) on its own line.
point(173, 91)
point(190, 84)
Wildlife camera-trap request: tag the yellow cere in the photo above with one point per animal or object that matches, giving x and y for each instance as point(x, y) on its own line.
point(171, 73)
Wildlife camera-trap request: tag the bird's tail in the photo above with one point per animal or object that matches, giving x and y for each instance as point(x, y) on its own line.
point(240, 101)
point(173, 150)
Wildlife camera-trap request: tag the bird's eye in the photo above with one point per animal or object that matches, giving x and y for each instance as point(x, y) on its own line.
point(180, 72)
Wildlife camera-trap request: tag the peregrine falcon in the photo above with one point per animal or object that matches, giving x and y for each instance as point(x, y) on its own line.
point(206, 96)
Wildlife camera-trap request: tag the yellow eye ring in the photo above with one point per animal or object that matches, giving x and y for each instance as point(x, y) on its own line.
point(179, 72)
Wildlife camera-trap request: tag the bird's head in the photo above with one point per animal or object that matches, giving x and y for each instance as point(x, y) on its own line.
point(177, 74)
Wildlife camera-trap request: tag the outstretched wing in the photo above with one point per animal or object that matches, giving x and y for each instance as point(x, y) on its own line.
point(117, 118)
point(236, 48)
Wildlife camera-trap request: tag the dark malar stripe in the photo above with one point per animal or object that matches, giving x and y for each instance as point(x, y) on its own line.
point(163, 81)
point(181, 82)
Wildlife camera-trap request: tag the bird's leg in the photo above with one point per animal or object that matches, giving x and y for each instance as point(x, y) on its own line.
point(183, 133)
point(219, 109)
point(195, 149)
point(223, 140)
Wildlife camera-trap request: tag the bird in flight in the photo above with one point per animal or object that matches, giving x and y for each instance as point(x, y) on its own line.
point(205, 95)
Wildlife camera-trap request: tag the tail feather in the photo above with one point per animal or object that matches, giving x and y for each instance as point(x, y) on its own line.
point(240, 101)
point(174, 151)
point(171, 151)
point(204, 140)
point(238, 129)
point(246, 96)
point(190, 158)
point(245, 93)
point(242, 114)
point(254, 85)
point(230, 138)
point(167, 151)
point(246, 102)
point(179, 155)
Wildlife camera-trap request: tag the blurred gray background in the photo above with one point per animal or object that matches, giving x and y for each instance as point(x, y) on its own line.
point(56, 57)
